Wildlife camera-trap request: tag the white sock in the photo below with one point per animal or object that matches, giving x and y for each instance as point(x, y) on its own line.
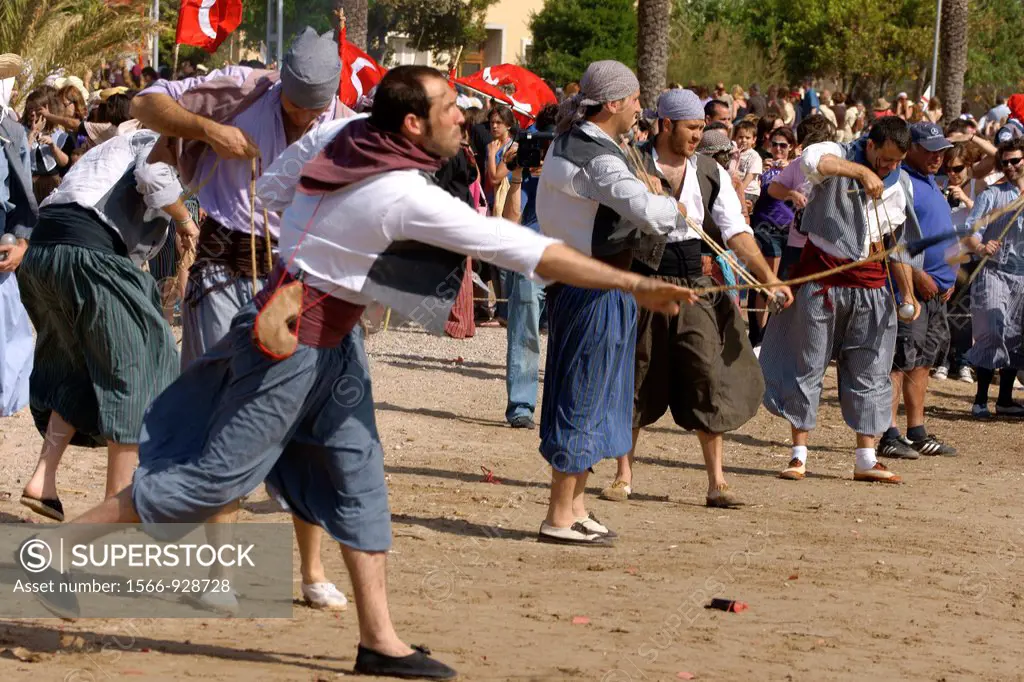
point(800, 453)
point(865, 458)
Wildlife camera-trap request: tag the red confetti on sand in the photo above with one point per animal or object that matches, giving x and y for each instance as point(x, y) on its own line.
point(458, 360)
point(793, 577)
point(489, 476)
point(580, 620)
point(144, 650)
point(683, 675)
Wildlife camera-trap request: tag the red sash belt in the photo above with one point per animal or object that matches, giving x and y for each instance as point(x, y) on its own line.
point(325, 320)
point(813, 261)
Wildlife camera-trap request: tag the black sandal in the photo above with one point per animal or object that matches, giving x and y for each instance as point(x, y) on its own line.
point(417, 665)
point(51, 508)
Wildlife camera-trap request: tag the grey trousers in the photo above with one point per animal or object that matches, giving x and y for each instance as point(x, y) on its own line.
point(854, 327)
point(212, 299)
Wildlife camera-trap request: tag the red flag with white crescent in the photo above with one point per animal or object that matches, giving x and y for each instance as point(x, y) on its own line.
point(359, 72)
point(207, 23)
point(530, 93)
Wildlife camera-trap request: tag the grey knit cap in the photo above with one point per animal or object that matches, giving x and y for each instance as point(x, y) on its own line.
point(680, 105)
point(311, 70)
point(603, 81)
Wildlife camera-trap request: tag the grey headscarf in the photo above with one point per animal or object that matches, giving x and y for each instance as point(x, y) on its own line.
point(311, 70)
point(604, 81)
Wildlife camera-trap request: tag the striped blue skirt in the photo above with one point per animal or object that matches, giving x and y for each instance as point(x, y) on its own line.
point(587, 412)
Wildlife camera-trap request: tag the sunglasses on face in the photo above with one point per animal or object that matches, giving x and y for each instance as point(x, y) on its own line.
point(955, 169)
point(780, 145)
point(1015, 161)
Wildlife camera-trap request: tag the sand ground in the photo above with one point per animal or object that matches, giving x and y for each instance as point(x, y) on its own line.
point(845, 581)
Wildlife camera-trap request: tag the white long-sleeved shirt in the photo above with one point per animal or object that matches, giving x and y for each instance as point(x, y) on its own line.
point(93, 181)
point(339, 239)
point(726, 212)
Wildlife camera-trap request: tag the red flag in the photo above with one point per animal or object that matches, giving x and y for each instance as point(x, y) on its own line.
point(530, 94)
point(207, 23)
point(359, 72)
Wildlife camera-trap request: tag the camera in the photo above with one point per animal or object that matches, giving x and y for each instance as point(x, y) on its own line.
point(954, 202)
point(533, 145)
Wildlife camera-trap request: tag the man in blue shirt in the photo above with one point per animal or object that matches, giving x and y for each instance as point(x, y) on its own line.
point(921, 344)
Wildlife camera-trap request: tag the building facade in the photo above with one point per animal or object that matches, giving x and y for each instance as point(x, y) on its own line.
point(508, 40)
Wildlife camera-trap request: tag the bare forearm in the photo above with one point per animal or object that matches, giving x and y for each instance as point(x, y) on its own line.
point(69, 123)
point(178, 211)
point(512, 210)
point(567, 265)
point(833, 165)
point(59, 156)
point(161, 113)
point(904, 276)
point(745, 246)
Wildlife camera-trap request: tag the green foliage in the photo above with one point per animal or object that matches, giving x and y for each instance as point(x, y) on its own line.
point(438, 26)
point(297, 15)
point(708, 43)
point(569, 34)
point(881, 41)
point(75, 35)
point(995, 61)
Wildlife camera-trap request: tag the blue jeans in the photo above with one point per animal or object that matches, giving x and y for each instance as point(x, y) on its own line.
point(523, 355)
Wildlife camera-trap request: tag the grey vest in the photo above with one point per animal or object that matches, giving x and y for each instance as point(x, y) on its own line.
point(580, 149)
point(650, 250)
point(836, 212)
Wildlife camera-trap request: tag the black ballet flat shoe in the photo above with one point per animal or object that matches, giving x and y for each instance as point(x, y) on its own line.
point(416, 666)
point(51, 509)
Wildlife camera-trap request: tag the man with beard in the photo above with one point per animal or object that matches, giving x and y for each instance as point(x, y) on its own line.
point(997, 297)
point(860, 204)
point(362, 221)
point(698, 362)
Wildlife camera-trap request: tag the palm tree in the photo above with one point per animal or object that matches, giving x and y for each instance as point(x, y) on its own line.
point(652, 47)
point(74, 35)
point(952, 57)
point(355, 21)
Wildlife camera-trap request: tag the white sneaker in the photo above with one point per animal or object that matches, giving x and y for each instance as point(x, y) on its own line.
point(324, 596)
point(965, 375)
point(941, 373)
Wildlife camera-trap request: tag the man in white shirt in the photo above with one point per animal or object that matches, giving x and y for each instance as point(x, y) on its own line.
point(590, 197)
point(361, 221)
point(692, 361)
point(860, 204)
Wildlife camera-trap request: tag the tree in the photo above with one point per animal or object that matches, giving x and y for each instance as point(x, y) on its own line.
point(355, 21)
point(995, 61)
point(75, 35)
point(952, 57)
point(652, 47)
point(437, 26)
point(870, 44)
point(570, 34)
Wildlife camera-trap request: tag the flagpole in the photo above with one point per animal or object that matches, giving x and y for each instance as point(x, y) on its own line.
point(174, 71)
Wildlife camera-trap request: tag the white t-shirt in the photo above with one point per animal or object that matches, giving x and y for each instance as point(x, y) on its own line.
point(748, 162)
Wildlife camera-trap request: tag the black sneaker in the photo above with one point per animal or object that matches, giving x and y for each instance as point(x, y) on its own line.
point(416, 666)
point(522, 422)
point(896, 448)
point(931, 446)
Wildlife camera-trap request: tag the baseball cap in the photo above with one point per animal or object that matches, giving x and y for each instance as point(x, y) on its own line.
point(929, 136)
